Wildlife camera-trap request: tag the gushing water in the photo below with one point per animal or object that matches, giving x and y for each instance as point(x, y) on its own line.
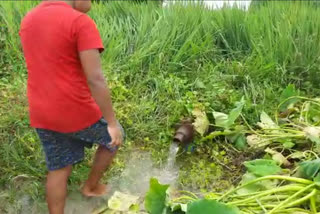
point(172, 156)
point(169, 174)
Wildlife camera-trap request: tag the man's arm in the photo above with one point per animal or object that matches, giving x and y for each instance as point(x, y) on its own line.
point(90, 60)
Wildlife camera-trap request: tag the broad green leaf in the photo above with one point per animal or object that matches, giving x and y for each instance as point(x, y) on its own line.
point(256, 187)
point(297, 155)
point(201, 123)
point(310, 169)
point(206, 206)
point(226, 121)
point(289, 91)
point(262, 167)
point(235, 113)
point(156, 197)
point(241, 142)
point(221, 119)
point(288, 144)
point(122, 202)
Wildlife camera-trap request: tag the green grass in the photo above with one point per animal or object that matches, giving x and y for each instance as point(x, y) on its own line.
point(159, 64)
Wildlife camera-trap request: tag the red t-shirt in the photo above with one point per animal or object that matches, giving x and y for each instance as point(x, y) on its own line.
point(52, 35)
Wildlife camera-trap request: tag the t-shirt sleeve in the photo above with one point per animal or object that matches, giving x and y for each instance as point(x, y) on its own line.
point(87, 34)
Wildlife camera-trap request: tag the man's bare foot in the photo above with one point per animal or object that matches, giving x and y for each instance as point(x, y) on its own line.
point(99, 190)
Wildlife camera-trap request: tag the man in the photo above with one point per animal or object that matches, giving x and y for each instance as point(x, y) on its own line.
point(69, 102)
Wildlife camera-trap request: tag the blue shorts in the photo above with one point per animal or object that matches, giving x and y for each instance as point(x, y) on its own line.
point(63, 149)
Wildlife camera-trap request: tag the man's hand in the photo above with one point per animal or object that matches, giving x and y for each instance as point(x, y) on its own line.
point(116, 135)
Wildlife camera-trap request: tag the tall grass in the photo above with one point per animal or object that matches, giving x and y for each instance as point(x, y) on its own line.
point(161, 61)
point(275, 39)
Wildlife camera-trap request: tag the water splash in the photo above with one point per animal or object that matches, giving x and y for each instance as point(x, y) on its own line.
point(170, 172)
point(174, 148)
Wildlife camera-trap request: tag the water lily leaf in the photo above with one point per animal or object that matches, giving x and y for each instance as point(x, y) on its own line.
point(258, 186)
point(210, 206)
point(289, 91)
point(156, 197)
point(262, 167)
point(310, 169)
point(221, 119)
point(235, 113)
point(296, 155)
point(266, 122)
point(226, 121)
point(317, 179)
point(313, 133)
point(122, 202)
point(201, 123)
point(288, 144)
point(241, 142)
point(278, 157)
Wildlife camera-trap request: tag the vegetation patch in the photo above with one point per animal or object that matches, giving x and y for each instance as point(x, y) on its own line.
point(248, 79)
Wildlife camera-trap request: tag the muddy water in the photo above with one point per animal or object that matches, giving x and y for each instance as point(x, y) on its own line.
point(134, 180)
point(140, 168)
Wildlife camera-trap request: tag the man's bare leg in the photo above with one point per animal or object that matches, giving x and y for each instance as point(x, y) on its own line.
point(102, 161)
point(56, 189)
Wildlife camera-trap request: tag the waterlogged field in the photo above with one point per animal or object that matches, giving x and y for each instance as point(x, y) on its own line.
point(248, 79)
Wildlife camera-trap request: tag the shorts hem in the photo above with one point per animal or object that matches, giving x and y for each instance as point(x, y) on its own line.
point(65, 165)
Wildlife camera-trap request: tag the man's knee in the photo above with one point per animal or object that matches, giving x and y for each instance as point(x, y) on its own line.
point(106, 151)
point(60, 174)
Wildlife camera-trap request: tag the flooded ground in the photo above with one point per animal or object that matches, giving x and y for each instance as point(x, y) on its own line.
point(140, 168)
point(133, 180)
